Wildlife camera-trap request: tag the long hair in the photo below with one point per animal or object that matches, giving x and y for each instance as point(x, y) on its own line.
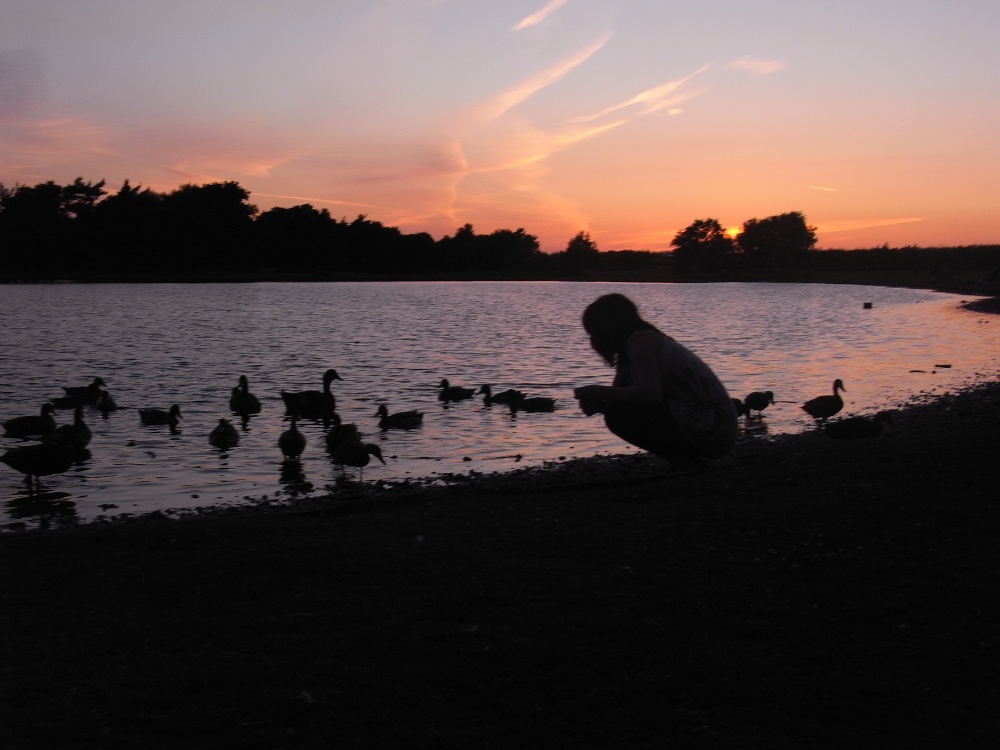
point(610, 320)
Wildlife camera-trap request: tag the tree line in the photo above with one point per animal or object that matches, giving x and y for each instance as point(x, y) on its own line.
point(81, 230)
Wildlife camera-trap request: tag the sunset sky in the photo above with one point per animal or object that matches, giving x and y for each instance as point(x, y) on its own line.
point(879, 120)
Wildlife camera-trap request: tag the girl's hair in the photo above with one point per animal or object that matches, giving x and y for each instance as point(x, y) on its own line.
point(610, 320)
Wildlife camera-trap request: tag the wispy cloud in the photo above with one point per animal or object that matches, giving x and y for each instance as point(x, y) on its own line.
point(850, 225)
point(305, 199)
point(665, 96)
point(753, 65)
point(538, 16)
point(824, 189)
point(522, 90)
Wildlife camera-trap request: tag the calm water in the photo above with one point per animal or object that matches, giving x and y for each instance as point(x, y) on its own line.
point(159, 344)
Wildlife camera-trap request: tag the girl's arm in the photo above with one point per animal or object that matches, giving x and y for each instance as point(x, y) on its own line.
point(644, 384)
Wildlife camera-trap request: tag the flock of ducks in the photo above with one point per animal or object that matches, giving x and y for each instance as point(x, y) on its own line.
point(61, 446)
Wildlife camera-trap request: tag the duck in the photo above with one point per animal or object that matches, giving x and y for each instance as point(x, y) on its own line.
point(77, 433)
point(741, 408)
point(224, 435)
point(758, 401)
point(341, 432)
point(503, 397)
point(454, 392)
point(357, 454)
point(150, 417)
point(400, 420)
point(313, 404)
point(824, 407)
point(853, 428)
point(84, 394)
point(242, 401)
point(51, 456)
point(105, 403)
point(33, 425)
point(292, 442)
point(532, 404)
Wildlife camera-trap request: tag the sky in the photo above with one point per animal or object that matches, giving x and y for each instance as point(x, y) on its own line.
point(878, 120)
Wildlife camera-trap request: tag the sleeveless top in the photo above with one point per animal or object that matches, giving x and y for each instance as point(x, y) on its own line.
point(699, 403)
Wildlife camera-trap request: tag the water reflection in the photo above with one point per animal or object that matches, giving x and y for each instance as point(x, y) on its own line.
point(402, 341)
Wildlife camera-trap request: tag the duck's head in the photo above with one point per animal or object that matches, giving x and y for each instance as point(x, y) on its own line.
point(330, 375)
point(838, 385)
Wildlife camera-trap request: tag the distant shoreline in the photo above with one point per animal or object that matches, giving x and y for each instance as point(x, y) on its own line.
point(988, 292)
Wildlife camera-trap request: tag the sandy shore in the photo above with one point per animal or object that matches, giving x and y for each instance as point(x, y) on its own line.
point(804, 592)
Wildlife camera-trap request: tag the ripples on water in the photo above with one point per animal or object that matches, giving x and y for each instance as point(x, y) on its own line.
point(158, 344)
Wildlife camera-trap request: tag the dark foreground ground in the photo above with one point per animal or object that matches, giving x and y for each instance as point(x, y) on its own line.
point(804, 593)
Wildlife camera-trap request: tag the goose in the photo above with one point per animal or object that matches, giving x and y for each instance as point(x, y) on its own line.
point(356, 454)
point(224, 435)
point(532, 404)
point(853, 428)
point(454, 392)
point(824, 407)
point(84, 394)
point(758, 401)
point(40, 424)
point(292, 442)
point(51, 456)
point(242, 401)
point(400, 420)
point(150, 417)
point(341, 432)
point(77, 433)
point(503, 397)
point(313, 404)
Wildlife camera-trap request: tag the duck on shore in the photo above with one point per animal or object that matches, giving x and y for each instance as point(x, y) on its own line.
point(824, 407)
point(53, 455)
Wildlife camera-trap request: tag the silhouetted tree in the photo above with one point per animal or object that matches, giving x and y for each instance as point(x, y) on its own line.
point(125, 229)
point(300, 238)
point(703, 245)
point(782, 240)
point(209, 226)
point(580, 254)
point(37, 224)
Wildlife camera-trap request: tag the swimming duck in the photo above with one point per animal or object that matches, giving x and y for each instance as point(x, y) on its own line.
point(84, 394)
point(242, 401)
point(77, 433)
point(454, 392)
point(532, 404)
point(51, 456)
point(105, 403)
point(356, 454)
point(853, 428)
point(150, 417)
point(313, 404)
point(824, 407)
point(224, 435)
point(503, 397)
point(400, 420)
point(758, 401)
point(40, 424)
point(292, 442)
